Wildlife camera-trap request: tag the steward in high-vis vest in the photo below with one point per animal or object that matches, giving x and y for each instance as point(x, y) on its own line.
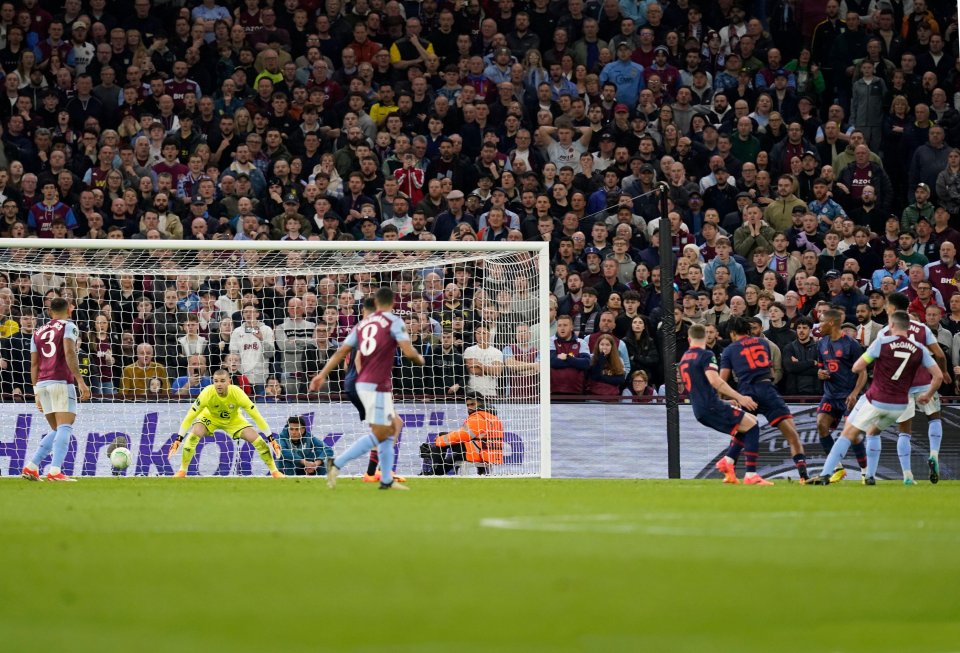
point(479, 441)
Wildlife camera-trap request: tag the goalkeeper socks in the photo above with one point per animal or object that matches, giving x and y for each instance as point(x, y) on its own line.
point(46, 446)
point(837, 452)
point(60, 444)
point(873, 454)
point(357, 449)
point(935, 433)
point(826, 442)
point(385, 449)
point(263, 450)
point(374, 461)
point(903, 452)
point(189, 449)
point(860, 451)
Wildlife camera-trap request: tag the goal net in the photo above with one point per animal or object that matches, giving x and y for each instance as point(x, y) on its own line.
point(157, 318)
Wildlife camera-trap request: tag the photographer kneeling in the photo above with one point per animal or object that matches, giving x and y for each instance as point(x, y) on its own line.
point(479, 441)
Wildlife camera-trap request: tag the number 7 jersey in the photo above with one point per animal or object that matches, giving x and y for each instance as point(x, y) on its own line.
point(375, 341)
point(897, 361)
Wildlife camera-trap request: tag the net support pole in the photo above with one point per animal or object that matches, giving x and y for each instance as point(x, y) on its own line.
point(669, 339)
point(543, 295)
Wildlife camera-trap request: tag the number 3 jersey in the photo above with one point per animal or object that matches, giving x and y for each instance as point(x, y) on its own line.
point(749, 359)
point(837, 358)
point(48, 343)
point(375, 342)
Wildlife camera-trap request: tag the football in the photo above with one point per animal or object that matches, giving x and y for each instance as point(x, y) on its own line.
point(120, 458)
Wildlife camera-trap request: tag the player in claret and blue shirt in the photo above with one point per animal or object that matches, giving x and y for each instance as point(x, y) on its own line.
point(836, 355)
point(748, 357)
point(897, 360)
point(700, 375)
point(54, 367)
point(376, 339)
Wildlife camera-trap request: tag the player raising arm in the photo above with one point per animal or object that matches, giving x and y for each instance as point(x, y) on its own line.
point(217, 408)
point(699, 371)
point(376, 339)
point(54, 367)
point(897, 360)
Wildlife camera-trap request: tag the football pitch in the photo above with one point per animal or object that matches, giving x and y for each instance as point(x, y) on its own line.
point(476, 565)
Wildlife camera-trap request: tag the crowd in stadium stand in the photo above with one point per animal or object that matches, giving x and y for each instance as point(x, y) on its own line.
point(809, 148)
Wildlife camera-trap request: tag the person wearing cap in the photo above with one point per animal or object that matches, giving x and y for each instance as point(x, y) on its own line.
point(627, 75)
point(766, 76)
point(920, 208)
point(81, 51)
point(291, 209)
point(661, 67)
point(455, 215)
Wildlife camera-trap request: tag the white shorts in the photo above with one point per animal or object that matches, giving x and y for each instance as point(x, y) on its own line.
point(929, 408)
point(867, 416)
point(378, 405)
point(58, 398)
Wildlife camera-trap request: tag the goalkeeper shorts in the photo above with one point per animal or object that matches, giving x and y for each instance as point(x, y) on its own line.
point(232, 427)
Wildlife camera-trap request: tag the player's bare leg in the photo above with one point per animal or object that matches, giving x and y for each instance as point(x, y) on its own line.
point(263, 450)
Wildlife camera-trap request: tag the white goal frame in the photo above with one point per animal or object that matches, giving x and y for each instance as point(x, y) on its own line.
point(9, 246)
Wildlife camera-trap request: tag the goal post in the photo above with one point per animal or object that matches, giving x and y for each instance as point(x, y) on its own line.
point(157, 317)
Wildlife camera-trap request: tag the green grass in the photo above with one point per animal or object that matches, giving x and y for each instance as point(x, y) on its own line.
point(262, 565)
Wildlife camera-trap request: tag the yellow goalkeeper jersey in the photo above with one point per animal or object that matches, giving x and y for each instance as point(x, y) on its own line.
point(224, 410)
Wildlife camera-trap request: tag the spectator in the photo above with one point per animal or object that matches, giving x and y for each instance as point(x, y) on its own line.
point(639, 385)
point(569, 360)
point(800, 362)
point(302, 453)
point(136, 376)
point(484, 364)
point(232, 364)
point(606, 372)
point(195, 380)
point(103, 346)
point(254, 341)
point(521, 358)
point(292, 338)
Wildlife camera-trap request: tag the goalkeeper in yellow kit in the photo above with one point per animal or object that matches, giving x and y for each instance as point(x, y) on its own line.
point(217, 408)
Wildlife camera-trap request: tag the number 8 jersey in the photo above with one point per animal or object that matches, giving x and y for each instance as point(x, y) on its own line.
point(48, 343)
point(375, 341)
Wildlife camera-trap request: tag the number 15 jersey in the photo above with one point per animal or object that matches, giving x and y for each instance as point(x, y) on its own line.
point(749, 359)
point(375, 341)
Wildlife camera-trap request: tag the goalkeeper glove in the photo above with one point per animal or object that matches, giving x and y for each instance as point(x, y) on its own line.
point(174, 447)
point(274, 445)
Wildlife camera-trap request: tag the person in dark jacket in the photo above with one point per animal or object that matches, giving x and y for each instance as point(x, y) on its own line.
point(301, 452)
point(779, 332)
point(849, 296)
point(800, 362)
